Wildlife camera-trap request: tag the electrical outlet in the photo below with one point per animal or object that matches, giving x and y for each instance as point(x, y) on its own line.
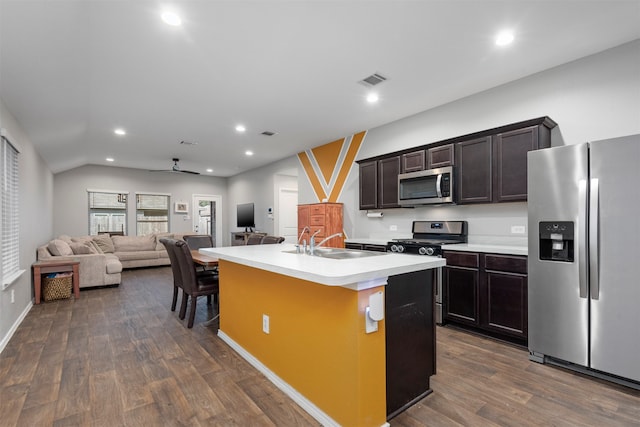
point(393, 228)
point(265, 323)
point(13, 296)
point(518, 229)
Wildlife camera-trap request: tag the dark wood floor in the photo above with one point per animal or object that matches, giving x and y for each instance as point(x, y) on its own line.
point(120, 357)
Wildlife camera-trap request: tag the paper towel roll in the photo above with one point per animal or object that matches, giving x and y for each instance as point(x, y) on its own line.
point(374, 214)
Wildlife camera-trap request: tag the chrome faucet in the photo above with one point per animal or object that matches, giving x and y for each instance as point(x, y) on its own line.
point(323, 241)
point(312, 242)
point(306, 228)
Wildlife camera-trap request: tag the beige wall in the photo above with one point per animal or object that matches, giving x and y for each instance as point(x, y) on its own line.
point(70, 205)
point(36, 196)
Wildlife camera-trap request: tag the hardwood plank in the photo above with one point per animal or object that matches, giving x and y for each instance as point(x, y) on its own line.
point(119, 356)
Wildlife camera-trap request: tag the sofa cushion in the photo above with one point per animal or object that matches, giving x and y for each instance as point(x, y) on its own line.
point(82, 248)
point(113, 264)
point(59, 247)
point(65, 238)
point(134, 243)
point(105, 243)
point(137, 255)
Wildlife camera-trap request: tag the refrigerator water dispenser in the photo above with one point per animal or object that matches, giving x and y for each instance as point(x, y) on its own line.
point(556, 241)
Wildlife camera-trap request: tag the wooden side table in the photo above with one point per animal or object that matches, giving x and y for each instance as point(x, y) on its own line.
point(54, 266)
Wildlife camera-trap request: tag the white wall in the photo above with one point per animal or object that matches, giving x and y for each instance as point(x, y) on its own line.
point(260, 186)
point(36, 201)
point(593, 98)
point(71, 202)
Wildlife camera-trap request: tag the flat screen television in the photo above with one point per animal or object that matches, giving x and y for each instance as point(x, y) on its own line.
point(245, 216)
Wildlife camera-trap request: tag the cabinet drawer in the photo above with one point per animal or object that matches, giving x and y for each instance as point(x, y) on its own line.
point(506, 263)
point(462, 259)
point(318, 209)
point(316, 220)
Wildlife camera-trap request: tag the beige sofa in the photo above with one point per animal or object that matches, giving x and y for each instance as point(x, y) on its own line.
point(103, 257)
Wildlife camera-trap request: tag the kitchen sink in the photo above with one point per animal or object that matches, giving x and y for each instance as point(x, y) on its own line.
point(339, 253)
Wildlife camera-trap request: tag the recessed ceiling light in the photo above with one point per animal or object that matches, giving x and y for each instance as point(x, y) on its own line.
point(372, 98)
point(120, 131)
point(209, 170)
point(171, 18)
point(248, 153)
point(241, 128)
point(109, 159)
point(504, 38)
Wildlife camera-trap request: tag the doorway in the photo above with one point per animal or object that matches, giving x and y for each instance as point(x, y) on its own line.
point(207, 216)
point(288, 214)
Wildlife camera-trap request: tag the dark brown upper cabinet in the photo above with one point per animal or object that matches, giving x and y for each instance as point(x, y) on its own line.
point(369, 185)
point(439, 157)
point(474, 175)
point(414, 161)
point(388, 171)
point(494, 168)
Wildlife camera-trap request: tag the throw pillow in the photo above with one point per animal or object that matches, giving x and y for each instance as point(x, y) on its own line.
point(65, 238)
point(105, 243)
point(82, 249)
point(59, 247)
point(95, 246)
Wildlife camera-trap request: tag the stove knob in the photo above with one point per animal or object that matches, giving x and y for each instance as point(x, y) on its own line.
point(430, 251)
point(394, 248)
point(423, 251)
point(400, 248)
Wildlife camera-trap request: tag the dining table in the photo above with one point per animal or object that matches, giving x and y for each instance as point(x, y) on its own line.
point(203, 260)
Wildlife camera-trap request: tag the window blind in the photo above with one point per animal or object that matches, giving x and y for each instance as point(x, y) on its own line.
point(10, 213)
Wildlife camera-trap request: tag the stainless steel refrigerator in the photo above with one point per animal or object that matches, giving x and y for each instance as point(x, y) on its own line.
point(584, 257)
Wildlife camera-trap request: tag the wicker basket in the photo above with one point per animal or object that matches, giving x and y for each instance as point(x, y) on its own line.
point(58, 287)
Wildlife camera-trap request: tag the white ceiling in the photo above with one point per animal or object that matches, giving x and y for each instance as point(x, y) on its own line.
point(72, 71)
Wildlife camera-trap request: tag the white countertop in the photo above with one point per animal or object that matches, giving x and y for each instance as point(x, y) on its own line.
point(492, 249)
point(355, 273)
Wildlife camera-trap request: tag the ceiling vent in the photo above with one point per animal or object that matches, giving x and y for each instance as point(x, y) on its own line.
point(268, 133)
point(373, 80)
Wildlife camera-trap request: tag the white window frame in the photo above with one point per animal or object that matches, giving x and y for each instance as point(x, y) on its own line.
point(10, 269)
point(124, 211)
point(142, 219)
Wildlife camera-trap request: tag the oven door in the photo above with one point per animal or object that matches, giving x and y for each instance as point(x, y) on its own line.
point(433, 186)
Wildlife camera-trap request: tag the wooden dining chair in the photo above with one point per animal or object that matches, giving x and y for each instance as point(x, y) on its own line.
point(175, 269)
point(193, 285)
point(199, 241)
point(254, 239)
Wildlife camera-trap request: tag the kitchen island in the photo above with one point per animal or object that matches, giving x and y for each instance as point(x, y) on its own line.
point(301, 320)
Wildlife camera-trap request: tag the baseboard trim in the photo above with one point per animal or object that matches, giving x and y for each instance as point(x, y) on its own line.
point(14, 327)
point(305, 403)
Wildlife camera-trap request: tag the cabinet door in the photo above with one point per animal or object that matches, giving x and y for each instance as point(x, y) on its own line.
point(438, 157)
point(510, 163)
point(507, 303)
point(368, 185)
point(460, 288)
point(413, 162)
point(474, 175)
point(388, 170)
point(303, 220)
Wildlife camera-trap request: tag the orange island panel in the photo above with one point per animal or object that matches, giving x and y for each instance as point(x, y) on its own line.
point(316, 342)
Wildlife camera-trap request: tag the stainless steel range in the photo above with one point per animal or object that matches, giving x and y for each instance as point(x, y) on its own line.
point(428, 238)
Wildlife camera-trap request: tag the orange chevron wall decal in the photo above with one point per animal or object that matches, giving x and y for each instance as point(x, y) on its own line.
point(327, 166)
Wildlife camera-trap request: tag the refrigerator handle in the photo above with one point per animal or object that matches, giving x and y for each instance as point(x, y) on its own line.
point(582, 238)
point(594, 249)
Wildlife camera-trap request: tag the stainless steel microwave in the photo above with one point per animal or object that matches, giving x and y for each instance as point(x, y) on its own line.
point(432, 186)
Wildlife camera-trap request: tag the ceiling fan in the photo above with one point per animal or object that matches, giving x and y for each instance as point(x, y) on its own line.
point(176, 168)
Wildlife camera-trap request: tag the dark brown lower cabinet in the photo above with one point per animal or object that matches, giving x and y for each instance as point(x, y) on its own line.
point(410, 339)
point(488, 293)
